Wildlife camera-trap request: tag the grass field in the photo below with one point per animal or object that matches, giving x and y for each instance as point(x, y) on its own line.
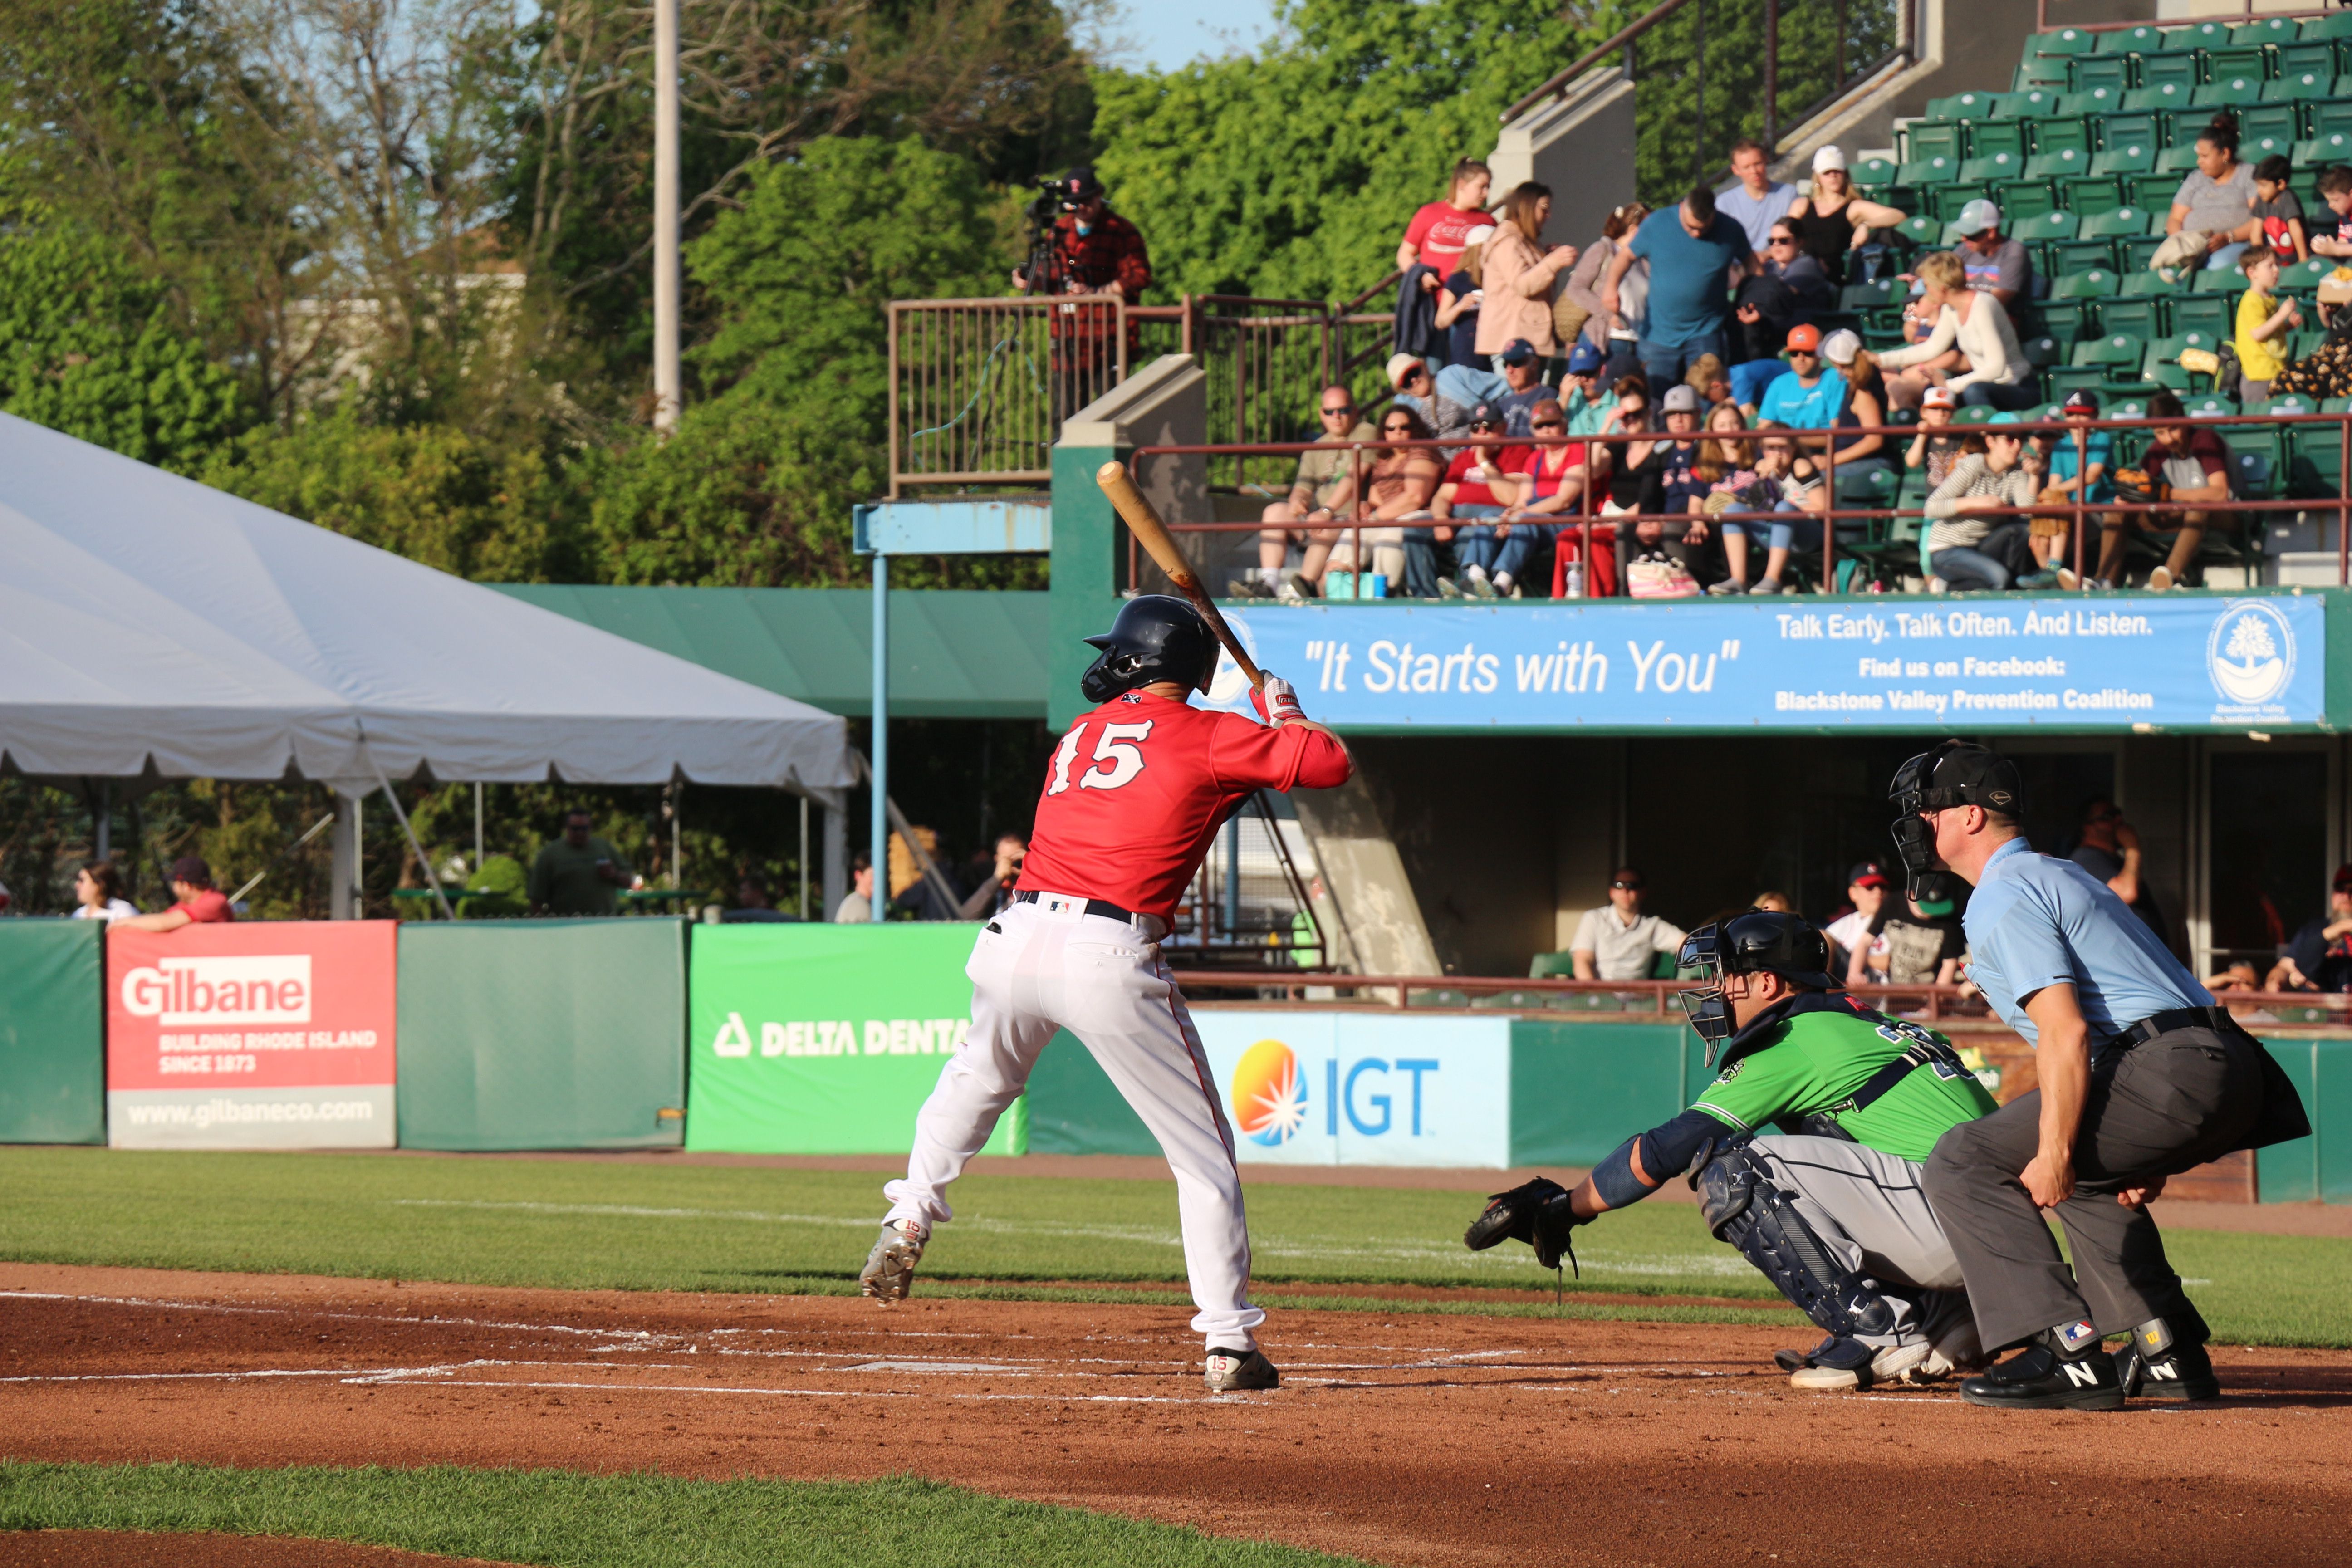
point(616, 1522)
point(633, 1226)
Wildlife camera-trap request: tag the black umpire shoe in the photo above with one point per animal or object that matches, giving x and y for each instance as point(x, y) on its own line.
point(2038, 1378)
point(2181, 1374)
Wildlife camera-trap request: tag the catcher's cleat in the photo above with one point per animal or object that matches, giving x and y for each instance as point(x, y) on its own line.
point(1845, 1363)
point(1234, 1371)
point(890, 1270)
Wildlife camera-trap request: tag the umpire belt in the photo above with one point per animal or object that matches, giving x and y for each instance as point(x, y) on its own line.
point(2217, 1019)
point(1102, 907)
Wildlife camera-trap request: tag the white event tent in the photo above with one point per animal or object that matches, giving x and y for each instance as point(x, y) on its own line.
point(152, 626)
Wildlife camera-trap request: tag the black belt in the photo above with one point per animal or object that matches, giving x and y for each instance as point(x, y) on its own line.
point(2218, 1019)
point(1102, 907)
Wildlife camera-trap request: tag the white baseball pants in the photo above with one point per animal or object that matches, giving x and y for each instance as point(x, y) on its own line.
point(1869, 1208)
point(1050, 965)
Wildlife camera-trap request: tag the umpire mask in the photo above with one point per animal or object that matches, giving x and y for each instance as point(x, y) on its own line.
point(1956, 773)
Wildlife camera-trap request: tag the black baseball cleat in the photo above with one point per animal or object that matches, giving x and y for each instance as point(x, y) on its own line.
point(2178, 1374)
point(2038, 1378)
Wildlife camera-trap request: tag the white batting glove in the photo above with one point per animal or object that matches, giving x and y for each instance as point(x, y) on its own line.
point(1277, 701)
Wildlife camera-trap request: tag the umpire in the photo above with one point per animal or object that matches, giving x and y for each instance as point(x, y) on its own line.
point(2142, 1076)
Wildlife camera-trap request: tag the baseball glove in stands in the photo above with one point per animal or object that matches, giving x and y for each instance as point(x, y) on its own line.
point(1536, 1213)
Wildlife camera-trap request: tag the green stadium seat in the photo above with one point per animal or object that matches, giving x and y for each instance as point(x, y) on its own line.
point(2270, 30)
point(2120, 128)
point(2335, 405)
point(2154, 192)
point(2326, 147)
point(2253, 148)
point(2044, 226)
point(2228, 92)
point(2089, 194)
point(1938, 169)
point(2162, 362)
point(2059, 132)
point(1946, 201)
point(2141, 284)
point(2040, 350)
point(1974, 414)
point(2133, 256)
point(2252, 61)
point(2109, 351)
point(2313, 55)
point(2066, 162)
point(1988, 137)
point(2180, 162)
point(2090, 283)
point(2226, 280)
point(2031, 103)
point(1873, 173)
point(2206, 313)
point(2087, 73)
point(2045, 72)
point(1966, 105)
point(2125, 408)
point(1876, 295)
point(2069, 321)
point(2133, 316)
point(2314, 454)
point(2166, 81)
point(2061, 380)
point(2283, 404)
point(2181, 127)
point(2068, 256)
point(2021, 199)
point(1926, 139)
point(2063, 41)
point(2336, 25)
point(2135, 157)
point(2203, 36)
point(2303, 277)
point(2122, 222)
point(2140, 40)
point(2208, 406)
point(2257, 455)
point(2294, 87)
point(2093, 103)
point(1919, 229)
point(2331, 114)
point(1996, 166)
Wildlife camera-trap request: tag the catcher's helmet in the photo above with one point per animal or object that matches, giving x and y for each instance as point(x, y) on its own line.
point(1955, 774)
point(1157, 636)
point(1788, 945)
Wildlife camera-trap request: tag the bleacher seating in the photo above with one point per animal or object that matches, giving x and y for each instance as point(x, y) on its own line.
point(2083, 156)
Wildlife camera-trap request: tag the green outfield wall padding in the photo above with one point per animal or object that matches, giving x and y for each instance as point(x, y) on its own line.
point(52, 1031)
point(1074, 1110)
point(2317, 1168)
point(544, 1033)
point(1579, 1089)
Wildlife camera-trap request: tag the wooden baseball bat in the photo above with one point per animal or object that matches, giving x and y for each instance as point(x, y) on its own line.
point(1144, 522)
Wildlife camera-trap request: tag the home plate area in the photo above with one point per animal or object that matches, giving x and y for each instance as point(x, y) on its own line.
point(1396, 1437)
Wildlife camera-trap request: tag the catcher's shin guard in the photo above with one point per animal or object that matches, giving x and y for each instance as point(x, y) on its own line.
point(1742, 1207)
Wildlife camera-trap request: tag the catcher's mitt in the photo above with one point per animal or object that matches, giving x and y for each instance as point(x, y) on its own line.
point(1536, 1213)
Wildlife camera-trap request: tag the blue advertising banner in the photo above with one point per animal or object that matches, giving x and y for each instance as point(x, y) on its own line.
point(1998, 663)
point(1351, 1088)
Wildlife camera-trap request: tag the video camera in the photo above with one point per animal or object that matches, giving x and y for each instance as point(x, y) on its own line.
point(1046, 270)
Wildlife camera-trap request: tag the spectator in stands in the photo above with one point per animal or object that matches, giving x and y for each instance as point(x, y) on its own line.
point(1618, 941)
point(1322, 491)
point(1831, 221)
point(1679, 492)
point(2215, 203)
point(579, 874)
point(1997, 371)
point(1551, 476)
point(2326, 371)
point(1864, 406)
point(992, 891)
point(1469, 507)
point(1758, 201)
point(2278, 213)
point(2192, 466)
point(857, 906)
point(1584, 395)
point(2076, 467)
point(1522, 368)
point(1914, 942)
point(1695, 253)
point(2264, 321)
point(1784, 482)
point(754, 905)
point(1632, 475)
point(1970, 546)
point(195, 901)
point(1438, 234)
point(1519, 274)
point(1778, 902)
point(1443, 401)
point(1459, 300)
point(1995, 263)
point(97, 893)
point(1599, 327)
point(1865, 894)
point(1399, 486)
point(1808, 398)
point(2108, 848)
point(2334, 234)
point(1935, 447)
point(1788, 293)
point(2318, 957)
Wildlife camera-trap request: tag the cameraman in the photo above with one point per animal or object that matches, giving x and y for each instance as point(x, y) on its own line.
point(1089, 250)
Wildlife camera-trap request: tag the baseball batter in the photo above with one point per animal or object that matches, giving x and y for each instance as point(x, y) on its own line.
point(1830, 1207)
point(1134, 796)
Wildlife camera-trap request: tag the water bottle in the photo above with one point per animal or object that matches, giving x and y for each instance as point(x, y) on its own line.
point(1575, 584)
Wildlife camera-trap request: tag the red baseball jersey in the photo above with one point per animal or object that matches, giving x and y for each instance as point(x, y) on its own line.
point(1138, 789)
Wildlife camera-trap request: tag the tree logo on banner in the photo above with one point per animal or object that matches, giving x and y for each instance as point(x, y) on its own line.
point(2250, 653)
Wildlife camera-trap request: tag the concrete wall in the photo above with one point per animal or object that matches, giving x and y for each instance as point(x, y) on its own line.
point(1581, 145)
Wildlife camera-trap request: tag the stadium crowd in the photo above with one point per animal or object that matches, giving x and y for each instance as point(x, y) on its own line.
point(1712, 334)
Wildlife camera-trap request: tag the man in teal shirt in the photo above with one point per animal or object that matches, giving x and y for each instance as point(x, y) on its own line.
point(1806, 1151)
point(1588, 402)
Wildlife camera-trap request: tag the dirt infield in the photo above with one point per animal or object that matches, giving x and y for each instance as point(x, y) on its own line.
point(1405, 1438)
point(129, 1549)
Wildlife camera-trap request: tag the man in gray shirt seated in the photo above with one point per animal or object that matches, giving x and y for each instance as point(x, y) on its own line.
point(1621, 942)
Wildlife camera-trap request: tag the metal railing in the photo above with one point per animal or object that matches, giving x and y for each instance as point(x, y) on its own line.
point(1588, 526)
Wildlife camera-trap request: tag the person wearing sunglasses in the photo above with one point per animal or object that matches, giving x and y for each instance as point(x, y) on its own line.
point(1321, 491)
point(1617, 941)
point(1398, 486)
point(1472, 507)
point(1788, 292)
point(1969, 546)
point(1444, 397)
point(1553, 474)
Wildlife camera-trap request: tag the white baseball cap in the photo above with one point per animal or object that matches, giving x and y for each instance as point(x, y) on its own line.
point(1979, 216)
point(1938, 398)
point(1400, 363)
point(1829, 157)
point(1841, 346)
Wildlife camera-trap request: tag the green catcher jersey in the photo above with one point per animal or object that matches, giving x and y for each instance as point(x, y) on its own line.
point(1820, 1054)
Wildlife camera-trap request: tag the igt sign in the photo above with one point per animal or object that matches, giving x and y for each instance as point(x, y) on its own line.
point(268, 1035)
point(1359, 1088)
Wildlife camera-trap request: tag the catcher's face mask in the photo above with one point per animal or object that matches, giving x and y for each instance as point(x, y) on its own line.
point(1705, 1005)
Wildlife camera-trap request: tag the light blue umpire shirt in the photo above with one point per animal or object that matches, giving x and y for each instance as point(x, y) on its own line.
point(2035, 921)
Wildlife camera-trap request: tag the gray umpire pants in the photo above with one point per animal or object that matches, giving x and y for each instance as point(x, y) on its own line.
point(2157, 1109)
point(1870, 1209)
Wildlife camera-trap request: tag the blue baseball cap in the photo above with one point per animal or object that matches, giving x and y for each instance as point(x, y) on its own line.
point(1585, 359)
point(1518, 350)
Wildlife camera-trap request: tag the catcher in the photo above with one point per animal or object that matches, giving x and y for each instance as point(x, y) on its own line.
point(1829, 1208)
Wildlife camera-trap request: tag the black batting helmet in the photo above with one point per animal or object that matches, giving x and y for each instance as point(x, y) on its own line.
point(1157, 636)
point(1789, 946)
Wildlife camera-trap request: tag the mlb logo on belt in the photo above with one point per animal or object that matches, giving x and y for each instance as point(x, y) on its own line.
point(1059, 907)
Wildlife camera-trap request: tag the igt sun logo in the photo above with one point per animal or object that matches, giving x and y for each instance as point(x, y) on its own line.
point(1269, 1097)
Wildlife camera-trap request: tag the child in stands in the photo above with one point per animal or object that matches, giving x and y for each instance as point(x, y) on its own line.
point(2264, 321)
point(2278, 215)
point(2334, 235)
point(1935, 448)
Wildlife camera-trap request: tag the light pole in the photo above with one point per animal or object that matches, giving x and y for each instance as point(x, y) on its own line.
point(666, 383)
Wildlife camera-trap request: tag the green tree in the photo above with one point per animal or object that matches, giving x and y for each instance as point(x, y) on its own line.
point(87, 346)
